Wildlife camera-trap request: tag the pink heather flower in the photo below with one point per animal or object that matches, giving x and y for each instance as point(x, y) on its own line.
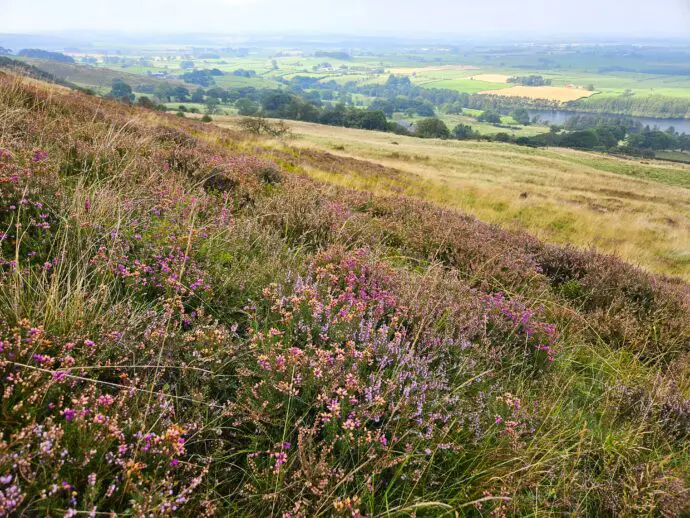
point(59, 376)
point(89, 343)
point(69, 414)
point(281, 458)
point(174, 463)
point(39, 155)
point(105, 400)
point(383, 440)
point(87, 205)
point(6, 479)
point(499, 419)
point(92, 479)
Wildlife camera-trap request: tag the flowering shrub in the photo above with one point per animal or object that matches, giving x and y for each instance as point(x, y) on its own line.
point(78, 442)
point(28, 199)
point(351, 390)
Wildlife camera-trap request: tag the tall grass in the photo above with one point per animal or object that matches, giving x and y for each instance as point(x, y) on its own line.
point(631, 208)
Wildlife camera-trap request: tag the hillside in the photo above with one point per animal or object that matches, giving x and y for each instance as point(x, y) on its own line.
point(191, 325)
point(97, 77)
point(637, 209)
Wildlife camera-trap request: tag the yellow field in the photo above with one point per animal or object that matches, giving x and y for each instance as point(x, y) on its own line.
point(550, 93)
point(492, 78)
point(561, 195)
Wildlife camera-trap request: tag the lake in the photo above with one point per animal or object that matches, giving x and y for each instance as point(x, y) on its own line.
point(560, 117)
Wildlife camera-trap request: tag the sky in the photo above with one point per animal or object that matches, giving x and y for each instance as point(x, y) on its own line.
point(609, 18)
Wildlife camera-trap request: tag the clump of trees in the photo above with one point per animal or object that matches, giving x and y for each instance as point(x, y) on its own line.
point(201, 77)
point(432, 128)
point(241, 72)
point(531, 80)
point(490, 117)
point(464, 132)
point(121, 91)
point(638, 106)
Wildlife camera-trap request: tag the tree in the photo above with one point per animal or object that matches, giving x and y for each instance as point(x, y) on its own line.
point(425, 109)
point(463, 131)
point(585, 139)
point(371, 120)
point(186, 65)
point(263, 126)
point(211, 105)
point(145, 102)
point(198, 77)
point(454, 108)
point(521, 116)
point(276, 101)
point(163, 91)
point(684, 142)
point(180, 93)
point(490, 117)
point(246, 107)
point(121, 91)
point(219, 93)
point(432, 128)
point(198, 95)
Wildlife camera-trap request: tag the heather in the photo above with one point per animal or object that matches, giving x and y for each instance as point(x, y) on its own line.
point(189, 326)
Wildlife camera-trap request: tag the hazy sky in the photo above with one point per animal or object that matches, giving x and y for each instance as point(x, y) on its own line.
point(424, 17)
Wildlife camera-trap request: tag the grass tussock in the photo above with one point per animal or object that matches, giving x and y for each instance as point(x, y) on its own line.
point(187, 327)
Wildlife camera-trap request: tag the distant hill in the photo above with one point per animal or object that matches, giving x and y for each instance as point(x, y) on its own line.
point(45, 54)
point(96, 76)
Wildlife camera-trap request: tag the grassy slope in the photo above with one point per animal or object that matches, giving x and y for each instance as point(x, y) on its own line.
point(185, 328)
point(639, 210)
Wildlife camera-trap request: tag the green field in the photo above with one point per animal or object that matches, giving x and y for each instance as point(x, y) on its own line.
point(674, 155)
